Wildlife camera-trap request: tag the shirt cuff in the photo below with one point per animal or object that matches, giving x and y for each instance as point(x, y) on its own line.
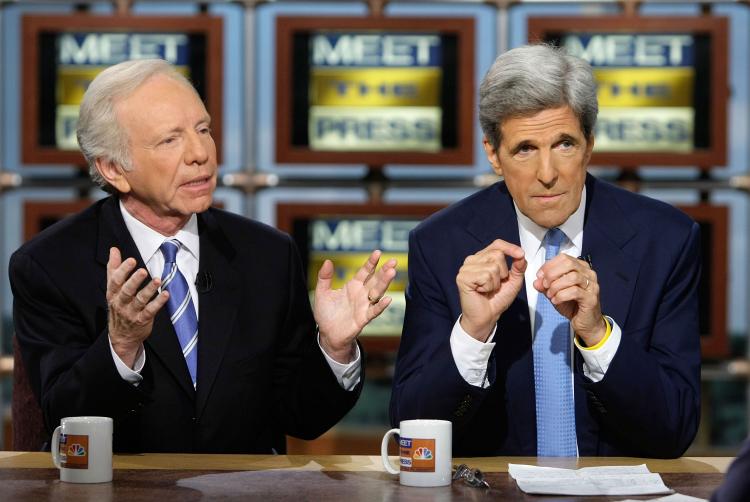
point(346, 374)
point(596, 359)
point(470, 355)
point(129, 375)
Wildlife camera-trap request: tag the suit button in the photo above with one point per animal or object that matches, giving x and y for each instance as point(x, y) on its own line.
point(195, 420)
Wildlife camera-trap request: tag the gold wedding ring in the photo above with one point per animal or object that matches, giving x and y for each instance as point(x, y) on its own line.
point(373, 301)
point(586, 287)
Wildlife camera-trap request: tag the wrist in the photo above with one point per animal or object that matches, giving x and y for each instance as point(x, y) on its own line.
point(126, 351)
point(600, 334)
point(341, 353)
point(479, 331)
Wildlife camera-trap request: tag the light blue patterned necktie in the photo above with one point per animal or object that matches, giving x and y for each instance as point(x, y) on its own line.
point(180, 306)
point(555, 408)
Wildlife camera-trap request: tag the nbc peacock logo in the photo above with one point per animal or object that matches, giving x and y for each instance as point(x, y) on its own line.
point(422, 453)
point(76, 450)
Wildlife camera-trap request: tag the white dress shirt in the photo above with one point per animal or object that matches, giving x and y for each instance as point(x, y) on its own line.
point(148, 242)
point(472, 356)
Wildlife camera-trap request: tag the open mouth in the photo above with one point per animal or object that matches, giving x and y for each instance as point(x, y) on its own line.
point(198, 182)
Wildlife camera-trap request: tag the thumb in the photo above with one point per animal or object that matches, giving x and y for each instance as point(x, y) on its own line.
point(517, 268)
point(325, 277)
point(115, 259)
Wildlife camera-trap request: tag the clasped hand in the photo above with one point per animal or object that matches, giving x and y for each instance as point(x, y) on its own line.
point(341, 314)
point(572, 287)
point(487, 287)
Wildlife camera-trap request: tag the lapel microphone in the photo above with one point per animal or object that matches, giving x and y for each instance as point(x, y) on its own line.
point(204, 282)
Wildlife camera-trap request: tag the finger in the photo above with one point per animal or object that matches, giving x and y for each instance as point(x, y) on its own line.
point(131, 286)
point(147, 292)
point(506, 247)
point(485, 279)
point(152, 307)
point(569, 280)
point(493, 255)
point(490, 260)
point(573, 293)
point(382, 279)
point(392, 263)
point(325, 277)
point(557, 267)
point(115, 259)
point(376, 309)
point(518, 267)
point(121, 273)
point(366, 270)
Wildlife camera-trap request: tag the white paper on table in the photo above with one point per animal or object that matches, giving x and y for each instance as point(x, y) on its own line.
point(677, 497)
point(605, 480)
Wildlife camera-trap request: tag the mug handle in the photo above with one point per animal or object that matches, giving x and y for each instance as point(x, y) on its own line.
point(384, 451)
point(55, 447)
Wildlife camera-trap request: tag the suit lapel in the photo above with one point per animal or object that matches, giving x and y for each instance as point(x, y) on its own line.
point(163, 339)
point(114, 233)
point(495, 218)
point(218, 305)
point(606, 231)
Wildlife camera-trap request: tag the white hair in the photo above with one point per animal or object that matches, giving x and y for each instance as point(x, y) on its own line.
point(100, 135)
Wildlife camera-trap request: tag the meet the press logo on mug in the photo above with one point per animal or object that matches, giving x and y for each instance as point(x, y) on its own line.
point(74, 451)
point(417, 455)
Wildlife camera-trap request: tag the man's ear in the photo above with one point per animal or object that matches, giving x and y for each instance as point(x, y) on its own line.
point(492, 156)
point(589, 149)
point(113, 173)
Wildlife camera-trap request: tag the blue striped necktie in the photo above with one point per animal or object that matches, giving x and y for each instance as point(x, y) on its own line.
point(180, 306)
point(555, 408)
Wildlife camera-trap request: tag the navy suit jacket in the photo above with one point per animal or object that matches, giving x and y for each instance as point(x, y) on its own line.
point(646, 257)
point(736, 485)
point(261, 374)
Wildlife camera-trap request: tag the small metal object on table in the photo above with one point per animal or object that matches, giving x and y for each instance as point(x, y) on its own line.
point(472, 477)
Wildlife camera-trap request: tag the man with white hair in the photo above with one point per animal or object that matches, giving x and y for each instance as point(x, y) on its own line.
point(189, 326)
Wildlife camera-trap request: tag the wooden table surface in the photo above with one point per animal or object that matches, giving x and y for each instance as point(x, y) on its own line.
point(31, 476)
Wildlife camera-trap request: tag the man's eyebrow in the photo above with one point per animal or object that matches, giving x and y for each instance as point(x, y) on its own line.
point(567, 137)
point(514, 148)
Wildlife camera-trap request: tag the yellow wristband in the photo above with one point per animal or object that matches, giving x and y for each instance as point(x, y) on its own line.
point(602, 341)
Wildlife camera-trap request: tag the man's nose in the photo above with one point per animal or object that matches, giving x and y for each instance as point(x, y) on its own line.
point(547, 170)
point(196, 151)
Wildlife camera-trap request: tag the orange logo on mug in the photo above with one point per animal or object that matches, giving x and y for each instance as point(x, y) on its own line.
point(417, 455)
point(74, 451)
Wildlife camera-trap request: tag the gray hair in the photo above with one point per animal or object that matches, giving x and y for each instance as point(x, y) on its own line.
point(526, 80)
point(100, 135)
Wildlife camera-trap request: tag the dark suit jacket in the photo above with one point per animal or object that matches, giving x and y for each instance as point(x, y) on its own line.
point(646, 256)
point(736, 485)
point(261, 373)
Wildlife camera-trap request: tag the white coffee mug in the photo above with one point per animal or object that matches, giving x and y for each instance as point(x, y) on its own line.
point(82, 449)
point(425, 452)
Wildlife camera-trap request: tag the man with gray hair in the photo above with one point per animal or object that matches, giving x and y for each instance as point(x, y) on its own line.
point(191, 327)
point(551, 314)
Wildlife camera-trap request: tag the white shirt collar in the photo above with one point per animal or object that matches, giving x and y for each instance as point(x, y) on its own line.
point(148, 240)
point(532, 234)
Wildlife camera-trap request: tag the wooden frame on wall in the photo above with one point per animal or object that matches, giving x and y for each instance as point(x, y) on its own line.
point(287, 103)
point(713, 221)
point(715, 28)
point(38, 215)
point(33, 151)
point(287, 213)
